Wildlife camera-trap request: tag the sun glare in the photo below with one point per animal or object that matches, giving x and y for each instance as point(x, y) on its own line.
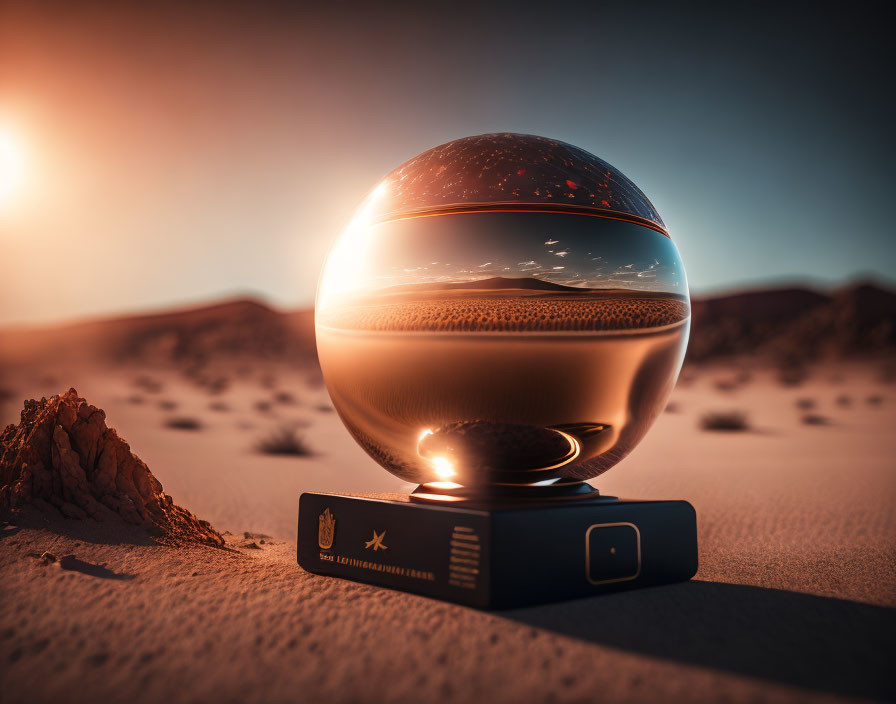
point(12, 167)
point(346, 263)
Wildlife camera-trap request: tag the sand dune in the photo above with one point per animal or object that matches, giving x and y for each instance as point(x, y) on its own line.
point(795, 324)
point(234, 329)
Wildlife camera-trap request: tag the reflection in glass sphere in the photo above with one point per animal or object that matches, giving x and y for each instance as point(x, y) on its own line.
point(504, 311)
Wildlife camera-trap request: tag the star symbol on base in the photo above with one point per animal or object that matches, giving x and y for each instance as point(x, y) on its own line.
point(376, 542)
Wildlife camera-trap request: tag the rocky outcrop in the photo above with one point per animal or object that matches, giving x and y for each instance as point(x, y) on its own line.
point(63, 455)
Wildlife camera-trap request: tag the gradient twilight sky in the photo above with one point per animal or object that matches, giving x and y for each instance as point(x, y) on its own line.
point(177, 153)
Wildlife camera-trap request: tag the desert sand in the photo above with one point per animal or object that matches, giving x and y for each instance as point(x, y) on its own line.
point(794, 599)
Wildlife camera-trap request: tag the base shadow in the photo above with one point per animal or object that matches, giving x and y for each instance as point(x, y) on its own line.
point(820, 643)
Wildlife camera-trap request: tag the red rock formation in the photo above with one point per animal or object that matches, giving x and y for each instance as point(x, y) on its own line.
point(62, 454)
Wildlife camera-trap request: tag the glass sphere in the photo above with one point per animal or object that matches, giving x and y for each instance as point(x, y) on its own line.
point(503, 311)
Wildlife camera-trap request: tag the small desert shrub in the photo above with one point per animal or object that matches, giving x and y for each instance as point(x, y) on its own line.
point(194, 371)
point(285, 441)
point(805, 404)
point(687, 376)
point(263, 406)
point(285, 398)
point(672, 407)
point(167, 405)
point(148, 384)
point(6, 394)
point(324, 408)
point(315, 379)
point(219, 406)
point(183, 423)
point(792, 376)
point(729, 421)
point(843, 400)
point(136, 399)
point(268, 381)
point(815, 419)
point(725, 384)
point(875, 400)
point(217, 385)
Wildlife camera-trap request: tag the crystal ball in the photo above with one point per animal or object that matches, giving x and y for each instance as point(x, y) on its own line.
point(503, 310)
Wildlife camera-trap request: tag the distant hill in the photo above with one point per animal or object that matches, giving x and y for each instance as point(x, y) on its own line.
point(795, 324)
point(505, 283)
point(496, 283)
point(191, 336)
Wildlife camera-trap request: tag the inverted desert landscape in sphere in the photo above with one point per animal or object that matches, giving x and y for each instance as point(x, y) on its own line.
point(510, 309)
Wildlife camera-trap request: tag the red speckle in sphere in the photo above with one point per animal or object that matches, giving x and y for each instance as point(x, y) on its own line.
point(479, 170)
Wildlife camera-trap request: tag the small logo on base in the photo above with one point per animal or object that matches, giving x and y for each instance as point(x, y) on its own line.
point(326, 529)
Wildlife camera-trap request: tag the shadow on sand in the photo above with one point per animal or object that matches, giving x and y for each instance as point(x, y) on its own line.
point(110, 533)
point(820, 643)
point(73, 564)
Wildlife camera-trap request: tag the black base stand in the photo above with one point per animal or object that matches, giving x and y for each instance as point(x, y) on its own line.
point(499, 556)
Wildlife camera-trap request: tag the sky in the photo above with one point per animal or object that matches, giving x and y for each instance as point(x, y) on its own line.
point(164, 154)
